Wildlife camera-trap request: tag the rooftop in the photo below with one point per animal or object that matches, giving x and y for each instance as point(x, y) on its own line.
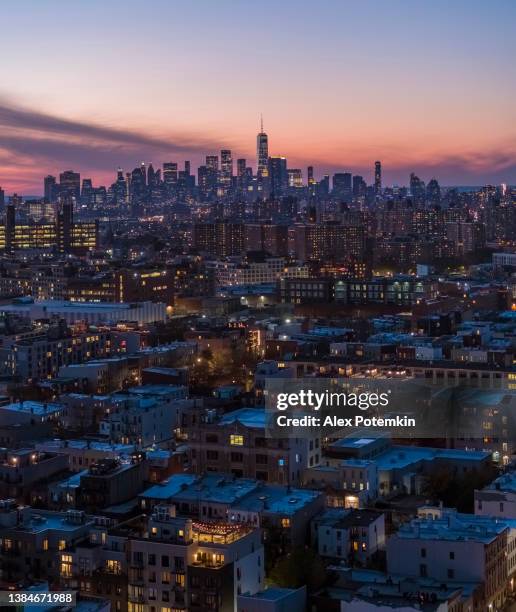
point(31, 407)
point(453, 527)
point(250, 417)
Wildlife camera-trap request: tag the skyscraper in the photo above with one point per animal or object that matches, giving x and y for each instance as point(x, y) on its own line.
point(226, 168)
point(70, 184)
point(278, 174)
point(377, 177)
point(359, 186)
point(170, 173)
point(241, 165)
point(151, 176)
point(212, 162)
point(87, 192)
point(342, 185)
point(417, 187)
point(310, 175)
point(49, 188)
point(262, 152)
point(295, 177)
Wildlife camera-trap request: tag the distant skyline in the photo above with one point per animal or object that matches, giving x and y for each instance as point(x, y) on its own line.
point(424, 87)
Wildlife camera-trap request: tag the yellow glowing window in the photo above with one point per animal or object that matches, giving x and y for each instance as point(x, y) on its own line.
point(180, 580)
point(45, 544)
point(62, 544)
point(66, 566)
point(165, 577)
point(154, 530)
point(285, 522)
point(113, 566)
point(236, 440)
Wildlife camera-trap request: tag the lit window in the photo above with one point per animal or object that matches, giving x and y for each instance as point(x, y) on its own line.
point(66, 566)
point(236, 440)
point(285, 522)
point(113, 566)
point(62, 544)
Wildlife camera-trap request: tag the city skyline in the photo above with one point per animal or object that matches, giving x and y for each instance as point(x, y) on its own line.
point(424, 89)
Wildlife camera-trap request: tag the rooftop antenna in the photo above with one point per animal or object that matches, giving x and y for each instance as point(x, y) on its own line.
point(261, 123)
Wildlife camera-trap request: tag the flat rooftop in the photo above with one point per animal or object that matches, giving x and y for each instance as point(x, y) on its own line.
point(250, 417)
point(31, 407)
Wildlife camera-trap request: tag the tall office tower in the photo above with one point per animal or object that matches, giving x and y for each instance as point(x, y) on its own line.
point(137, 185)
point(295, 177)
point(342, 185)
point(212, 162)
point(417, 187)
point(324, 185)
point(242, 180)
point(188, 168)
point(433, 191)
point(151, 176)
point(170, 173)
point(87, 192)
point(212, 173)
point(202, 180)
point(241, 166)
point(10, 223)
point(64, 226)
point(2, 200)
point(143, 172)
point(377, 177)
point(226, 168)
point(278, 174)
point(127, 187)
point(49, 188)
point(262, 152)
point(70, 184)
point(359, 186)
point(310, 175)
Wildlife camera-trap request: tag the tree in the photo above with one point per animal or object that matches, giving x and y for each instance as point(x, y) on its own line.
point(456, 490)
point(299, 567)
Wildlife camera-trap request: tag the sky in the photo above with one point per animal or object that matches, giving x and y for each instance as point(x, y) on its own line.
point(424, 86)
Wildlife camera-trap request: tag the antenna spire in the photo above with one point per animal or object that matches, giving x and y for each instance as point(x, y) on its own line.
point(261, 123)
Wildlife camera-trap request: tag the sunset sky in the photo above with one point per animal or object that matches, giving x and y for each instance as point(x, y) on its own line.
point(424, 86)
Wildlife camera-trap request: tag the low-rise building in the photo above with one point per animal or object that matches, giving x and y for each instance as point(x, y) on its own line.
point(236, 443)
point(350, 535)
point(454, 548)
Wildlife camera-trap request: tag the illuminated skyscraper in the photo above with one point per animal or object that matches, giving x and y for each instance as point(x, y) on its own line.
point(241, 166)
point(310, 175)
point(262, 152)
point(212, 162)
point(377, 177)
point(226, 168)
point(295, 177)
point(170, 173)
